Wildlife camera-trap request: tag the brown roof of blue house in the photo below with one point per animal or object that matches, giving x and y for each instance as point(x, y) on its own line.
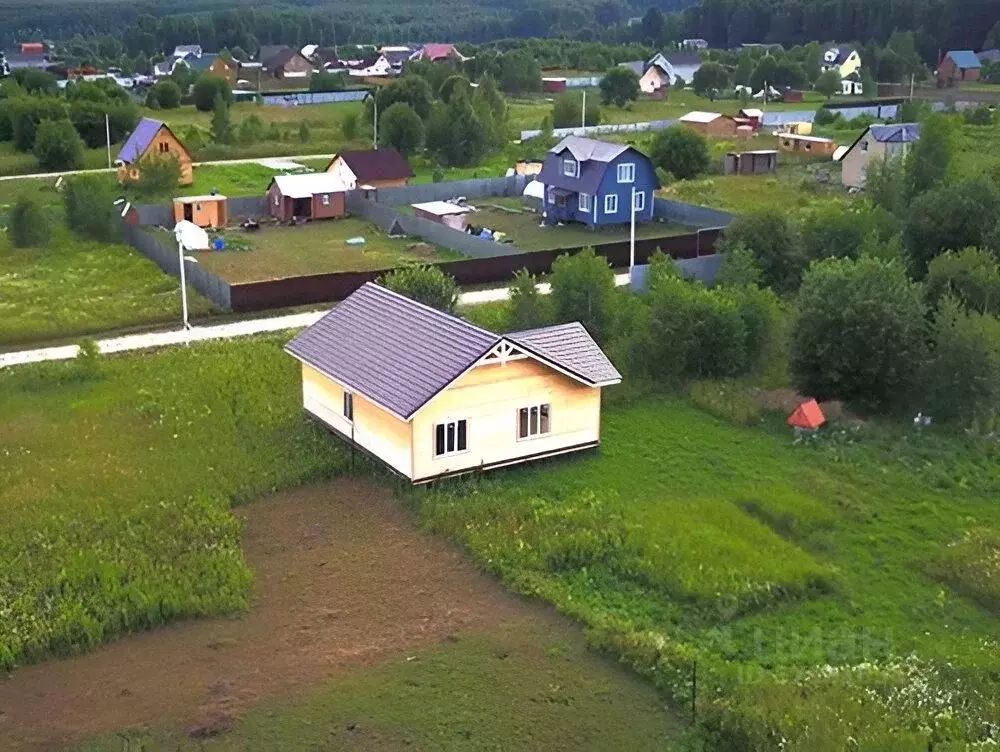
point(400, 353)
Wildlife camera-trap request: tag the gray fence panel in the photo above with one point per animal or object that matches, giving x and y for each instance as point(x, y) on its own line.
point(689, 214)
point(704, 269)
point(590, 130)
point(582, 82)
point(155, 214)
point(382, 215)
point(163, 253)
point(248, 206)
point(314, 97)
point(512, 185)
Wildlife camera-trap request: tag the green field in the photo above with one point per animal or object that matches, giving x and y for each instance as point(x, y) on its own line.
point(319, 247)
point(76, 287)
point(508, 215)
point(117, 484)
point(691, 540)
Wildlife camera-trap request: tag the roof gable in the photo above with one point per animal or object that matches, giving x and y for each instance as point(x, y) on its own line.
point(400, 353)
point(901, 133)
point(964, 58)
point(309, 184)
point(586, 149)
point(140, 139)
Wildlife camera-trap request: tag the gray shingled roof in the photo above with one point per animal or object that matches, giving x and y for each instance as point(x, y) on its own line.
point(589, 148)
point(571, 347)
point(400, 353)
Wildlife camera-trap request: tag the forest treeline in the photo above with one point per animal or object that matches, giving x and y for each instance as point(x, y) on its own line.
point(111, 29)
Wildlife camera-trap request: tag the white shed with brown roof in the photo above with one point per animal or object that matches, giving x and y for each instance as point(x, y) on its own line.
point(431, 395)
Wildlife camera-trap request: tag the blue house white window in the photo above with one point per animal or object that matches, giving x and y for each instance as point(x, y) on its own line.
point(583, 202)
point(639, 200)
point(626, 172)
point(611, 204)
point(571, 168)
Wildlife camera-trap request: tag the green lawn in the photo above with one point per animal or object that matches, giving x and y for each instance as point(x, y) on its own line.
point(117, 479)
point(688, 539)
point(319, 247)
point(525, 230)
point(76, 287)
point(518, 687)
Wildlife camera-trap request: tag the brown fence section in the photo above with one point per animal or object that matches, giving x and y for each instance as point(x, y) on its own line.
point(328, 288)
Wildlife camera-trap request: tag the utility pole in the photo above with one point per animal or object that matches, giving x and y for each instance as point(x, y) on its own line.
point(107, 135)
point(375, 124)
point(911, 87)
point(631, 239)
point(184, 295)
point(583, 110)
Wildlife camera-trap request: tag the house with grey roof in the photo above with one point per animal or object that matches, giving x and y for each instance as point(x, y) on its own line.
point(596, 183)
point(431, 395)
point(877, 142)
point(958, 66)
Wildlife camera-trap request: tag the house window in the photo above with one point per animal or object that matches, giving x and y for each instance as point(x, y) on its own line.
point(626, 173)
point(349, 406)
point(277, 201)
point(326, 199)
point(451, 438)
point(533, 421)
point(583, 202)
point(164, 147)
point(570, 167)
point(611, 204)
point(639, 200)
point(864, 146)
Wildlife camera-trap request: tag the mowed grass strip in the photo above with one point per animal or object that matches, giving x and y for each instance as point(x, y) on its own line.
point(523, 685)
point(116, 480)
point(318, 247)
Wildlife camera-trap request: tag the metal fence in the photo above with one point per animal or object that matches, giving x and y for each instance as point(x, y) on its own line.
point(164, 254)
point(293, 99)
point(704, 269)
point(583, 82)
point(512, 185)
point(689, 214)
point(590, 130)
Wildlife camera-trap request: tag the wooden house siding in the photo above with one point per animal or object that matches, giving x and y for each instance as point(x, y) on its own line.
point(375, 430)
point(335, 205)
point(489, 397)
point(163, 143)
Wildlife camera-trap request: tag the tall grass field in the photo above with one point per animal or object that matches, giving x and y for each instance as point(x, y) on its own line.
point(116, 481)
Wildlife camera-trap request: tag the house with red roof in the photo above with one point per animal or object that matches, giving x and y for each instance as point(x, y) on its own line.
point(152, 139)
point(373, 168)
point(437, 52)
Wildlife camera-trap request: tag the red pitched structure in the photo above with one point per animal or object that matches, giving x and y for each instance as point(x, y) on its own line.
point(807, 415)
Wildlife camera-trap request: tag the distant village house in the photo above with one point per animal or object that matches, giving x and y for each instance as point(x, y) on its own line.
point(152, 139)
point(958, 66)
point(876, 142)
point(318, 195)
point(375, 168)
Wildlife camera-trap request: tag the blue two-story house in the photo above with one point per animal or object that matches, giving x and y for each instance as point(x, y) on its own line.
point(594, 182)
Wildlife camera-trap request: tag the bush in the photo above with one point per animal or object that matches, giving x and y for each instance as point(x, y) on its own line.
point(949, 218)
point(620, 86)
point(962, 377)
point(426, 284)
point(401, 128)
point(349, 126)
point(567, 111)
point(207, 88)
point(681, 151)
point(832, 232)
point(166, 94)
point(762, 317)
point(981, 115)
point(826, 116)
point(90, 210)
point(527, 307)
point(694, 332)
point(251, 130)
point(326, 81)
point(88, 117)
point(583, 289)
point(971, 276)
point(58, 146)
point(769, 236)
point(305, 136)
point(739, 267)
point(159, 176)
point(25, 115)
point(28, 226)
point(859, 333)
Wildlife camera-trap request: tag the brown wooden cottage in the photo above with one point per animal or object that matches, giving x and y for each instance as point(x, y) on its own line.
point(318, 195)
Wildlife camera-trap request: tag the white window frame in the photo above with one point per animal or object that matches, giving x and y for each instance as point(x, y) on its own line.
point(448, 422)
point(570, 162)
point(639, 201)
point(583, 202)
point(626, 172)
point(348, 407)
point(539, 433)
point(326, 199)
point(611, 203)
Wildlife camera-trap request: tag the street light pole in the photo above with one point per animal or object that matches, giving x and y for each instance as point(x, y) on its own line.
point(107, 135)
point(375, 124)
point(184, 294)
point(583, 110)
point(631, 239)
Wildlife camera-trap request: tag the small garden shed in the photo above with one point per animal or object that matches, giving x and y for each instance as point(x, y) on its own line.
point(318, 195)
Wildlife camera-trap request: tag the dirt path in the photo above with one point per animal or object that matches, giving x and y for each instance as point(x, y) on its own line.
point(343, 579)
